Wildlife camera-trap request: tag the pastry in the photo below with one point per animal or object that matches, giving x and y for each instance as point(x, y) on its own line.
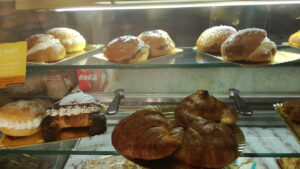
point(292, 108)
point(146, 135)
point(72, 40)
point(201, 105)
point(159, 41)
point(209, 145)
point(74, 110)
point(211, 39)
point(126, 50)
point(294, 39)
point(249, 45)
point(44, 48)
point(23, 117)
point(289, 163)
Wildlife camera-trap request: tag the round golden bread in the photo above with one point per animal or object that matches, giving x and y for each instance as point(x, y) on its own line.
point(294, 39)
point(44, 48)
point(146, 135)
point(126, 50)
point(249, 45)
point(159, 41)
point(72, 40)
point(211, 39)
point(23, 117)
point(19, 132)
point(201, 105)
point(208, 145)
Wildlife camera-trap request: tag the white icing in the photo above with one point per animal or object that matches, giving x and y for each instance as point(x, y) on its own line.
point(73, 40)
point(128, 38)
point(46, 44)
point(78, 98)
point(60, 31)
point(73, 110)
point(18, 125)
point(156, 33)
point(215, 32)
point(265, 47)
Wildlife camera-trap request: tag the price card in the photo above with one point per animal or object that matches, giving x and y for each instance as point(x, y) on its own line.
point(12, 63)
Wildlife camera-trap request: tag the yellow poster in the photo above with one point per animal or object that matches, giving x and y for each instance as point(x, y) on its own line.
point(12, 63)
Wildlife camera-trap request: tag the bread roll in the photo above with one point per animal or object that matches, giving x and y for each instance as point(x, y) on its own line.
point(201, 105)
point(126, 50)
point(294, 39)
point(72, 40)
point(44, 48)
point(146, 135)
point(23, 117)
point(209, 145)
point(292, 107)
point(159, 41)
point(249, 45)
point(211, 39)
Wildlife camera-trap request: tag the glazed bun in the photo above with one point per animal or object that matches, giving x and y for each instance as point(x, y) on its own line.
point(201, 105)
point(294, 39)
point(159, 41)
point(23, 117)
point(126, 50)
point(146, 135)
point(209, 145)
point(249, 45)
point(72, 40)
point(211, 39)
point(44, 48)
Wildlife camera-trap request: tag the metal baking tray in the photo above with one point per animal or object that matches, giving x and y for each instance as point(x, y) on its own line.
point(284, 54)
point(74, 58)
point(168, 59)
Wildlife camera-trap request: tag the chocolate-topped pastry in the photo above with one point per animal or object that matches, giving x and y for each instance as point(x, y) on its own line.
point(75, 110)
point(159, 41)
point(126, 50)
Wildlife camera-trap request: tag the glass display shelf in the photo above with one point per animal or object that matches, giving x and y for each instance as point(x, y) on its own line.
point(188, 58)
point(265, 133)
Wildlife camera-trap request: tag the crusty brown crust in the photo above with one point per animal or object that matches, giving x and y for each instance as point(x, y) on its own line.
point(160, 43)
point(292, 107)
point(52, 125)
point(294, 39)
point(211, 39)
point(146, 135)
point(126, 50)
point(240, 45)
point(209, 145)
point(202, 105)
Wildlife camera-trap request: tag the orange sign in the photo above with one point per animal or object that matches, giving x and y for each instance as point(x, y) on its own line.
point(12, 63)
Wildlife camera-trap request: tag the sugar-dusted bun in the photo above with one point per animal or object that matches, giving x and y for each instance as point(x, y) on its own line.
point(126, 50)
point(249, 45)
point(44, 48)
point(211, 39)
point(72, 40)
point(294, 39)
point(159, 41)
point(23, 117)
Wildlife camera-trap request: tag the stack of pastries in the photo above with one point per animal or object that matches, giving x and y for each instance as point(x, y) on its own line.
point(247, 45)
point(131, 49)
point(54, 45)
point(26, 122)
point(201, 135)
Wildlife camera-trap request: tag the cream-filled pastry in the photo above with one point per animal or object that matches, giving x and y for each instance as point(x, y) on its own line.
point(74, 110)
point(23, 117)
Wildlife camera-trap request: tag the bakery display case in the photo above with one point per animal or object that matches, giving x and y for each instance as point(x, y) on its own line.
point(100, 62)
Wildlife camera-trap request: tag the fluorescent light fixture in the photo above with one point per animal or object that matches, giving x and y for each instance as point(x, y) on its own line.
point(119, 5)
